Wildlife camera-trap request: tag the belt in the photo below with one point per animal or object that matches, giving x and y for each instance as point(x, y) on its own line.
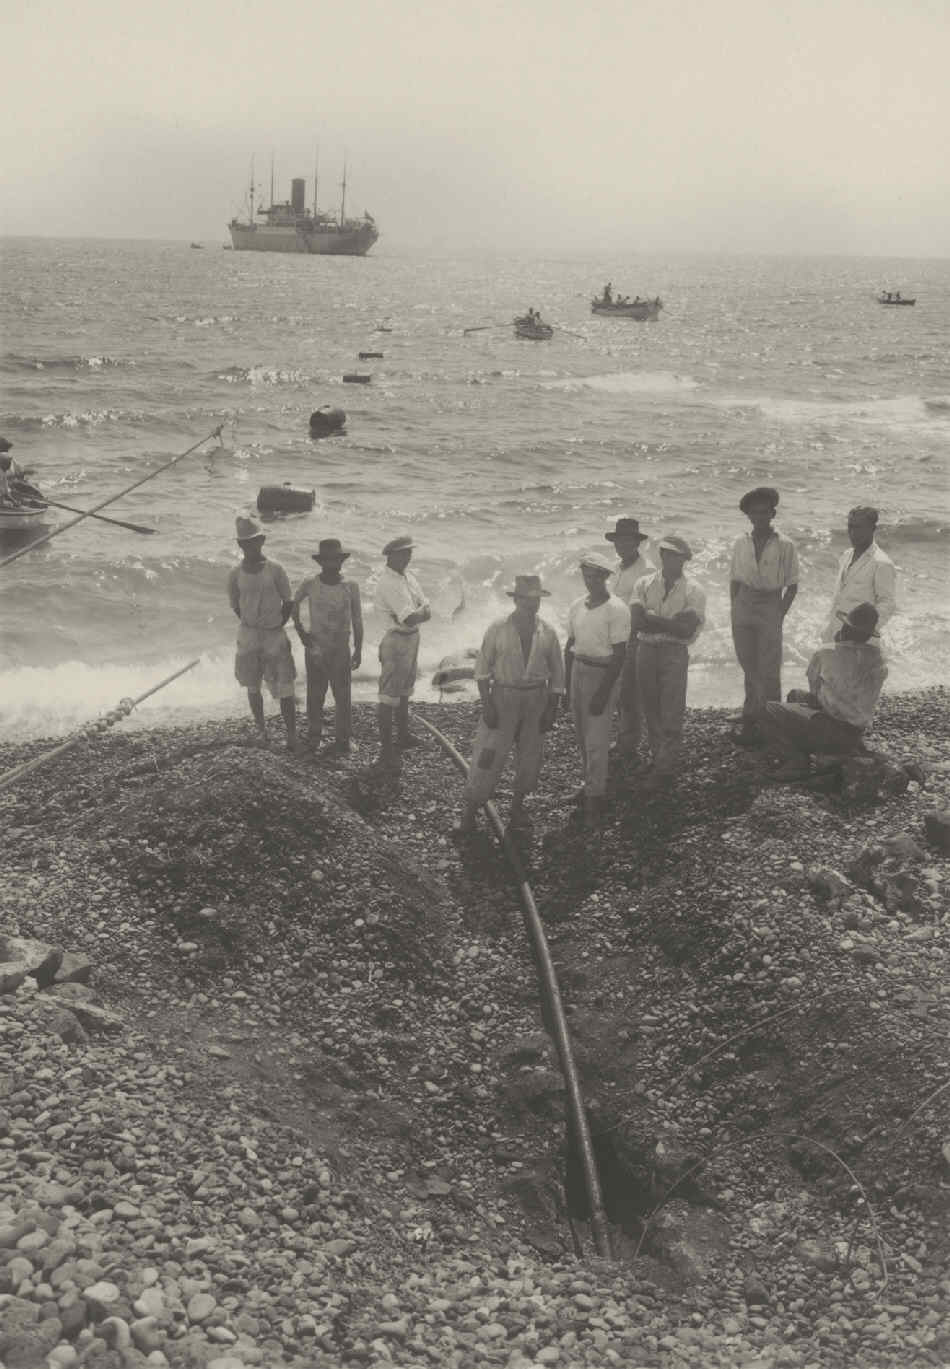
point(658, 639)
point(404, 631)
point(601, 663)
point(498, 685)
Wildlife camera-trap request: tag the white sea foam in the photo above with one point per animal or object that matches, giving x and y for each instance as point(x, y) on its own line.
point(628, 382)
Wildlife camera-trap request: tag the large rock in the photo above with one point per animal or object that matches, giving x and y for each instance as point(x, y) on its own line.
point(75, 969)
point(12, 975)
point(97, 1021)
point(56, 1020)
point(937, 827)
point(42, 960)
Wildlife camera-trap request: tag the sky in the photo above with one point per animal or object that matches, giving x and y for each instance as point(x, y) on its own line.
point(536, 126)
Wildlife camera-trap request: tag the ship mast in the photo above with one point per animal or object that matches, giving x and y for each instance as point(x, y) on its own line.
point(316, 175)
point(250, 196)
point(272, 176)
point(343, 195)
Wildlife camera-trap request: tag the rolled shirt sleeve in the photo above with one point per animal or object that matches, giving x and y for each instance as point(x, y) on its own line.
point(282, 584)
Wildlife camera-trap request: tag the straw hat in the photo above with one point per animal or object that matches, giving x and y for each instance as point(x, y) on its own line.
point(595, 561)
point(403, 543)
point(528, 587)
point(679, 545)
point(247, 529)
point(330, 546)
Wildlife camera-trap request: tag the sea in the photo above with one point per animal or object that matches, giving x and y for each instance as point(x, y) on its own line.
point(497, 455)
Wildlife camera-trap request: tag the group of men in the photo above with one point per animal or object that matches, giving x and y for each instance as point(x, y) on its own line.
point(626, 655)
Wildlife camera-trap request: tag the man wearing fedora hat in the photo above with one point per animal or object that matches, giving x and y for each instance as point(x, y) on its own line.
point(669, 613)
point(845, 679)
point(403, 606)
point(259, 594)
point(598, 630)
point(520, 674)
point(335, 613)
point(763, 583)
point(627, 539)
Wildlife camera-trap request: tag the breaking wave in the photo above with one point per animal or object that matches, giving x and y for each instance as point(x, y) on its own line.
point(262, 375)
point(628, 382)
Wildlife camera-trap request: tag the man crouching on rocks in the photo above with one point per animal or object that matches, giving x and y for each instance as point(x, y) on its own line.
point(259, 593)
point(400, 600)
point(845, 679)
point(520, 674)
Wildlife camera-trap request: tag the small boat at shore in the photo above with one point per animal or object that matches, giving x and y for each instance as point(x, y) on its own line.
point(533, 327)
point(895, 298)
point(22, 517)
point(643, 310)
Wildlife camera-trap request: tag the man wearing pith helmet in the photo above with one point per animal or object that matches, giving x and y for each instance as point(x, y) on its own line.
point(763, 583)
point(520, 676)
point(668, 613)
point(598, 629)
point(403, 606)
point(259, 594)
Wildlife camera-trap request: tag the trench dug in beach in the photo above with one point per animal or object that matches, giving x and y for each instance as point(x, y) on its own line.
point(755, 984)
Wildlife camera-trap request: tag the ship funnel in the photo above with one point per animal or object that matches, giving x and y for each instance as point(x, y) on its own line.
point(297, 187)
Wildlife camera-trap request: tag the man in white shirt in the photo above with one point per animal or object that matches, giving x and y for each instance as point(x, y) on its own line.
point(669, 614)
point(520, 675)
point(845, 679)
point(400, 600)
point(763, 583)
point(627, 538)
point(259, 594)
point(866, 574)
point(598, 629)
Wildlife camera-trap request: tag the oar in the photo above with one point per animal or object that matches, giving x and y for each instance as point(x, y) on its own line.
point(569, 333)
point(484, 327)
point(70, 508)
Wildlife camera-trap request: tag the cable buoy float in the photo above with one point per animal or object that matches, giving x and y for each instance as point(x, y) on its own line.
point(370, 356)
point(284, 499)
point(357, 378)
point(326, 420)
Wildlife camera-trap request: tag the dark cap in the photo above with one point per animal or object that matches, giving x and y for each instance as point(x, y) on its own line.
point(762, 494)
point(863, 617)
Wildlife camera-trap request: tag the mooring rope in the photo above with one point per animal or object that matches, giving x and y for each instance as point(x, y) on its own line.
point(562, 1039)
point(91, 729)
point(71, 523)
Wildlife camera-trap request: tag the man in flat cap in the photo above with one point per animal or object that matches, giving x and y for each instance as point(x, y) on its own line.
point(763, 583)
point(866, 574)
point(334, 616)
point(598, 630)
point(668, 613)
point(844, 683)
point(520, 677)
point(259, 594)
point(400, 600)
point(627, 539)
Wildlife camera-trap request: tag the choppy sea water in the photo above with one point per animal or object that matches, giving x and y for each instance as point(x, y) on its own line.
point(498, 455)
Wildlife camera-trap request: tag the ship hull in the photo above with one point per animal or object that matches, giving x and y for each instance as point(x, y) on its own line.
point(266, 238)
point(643, 313)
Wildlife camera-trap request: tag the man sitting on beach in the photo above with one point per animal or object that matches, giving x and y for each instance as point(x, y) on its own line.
point(259, 593)
point(400, 600)
point(520, 674)
point(866, 574)
point(668, 613)
point(334, 612)
point(845, 679)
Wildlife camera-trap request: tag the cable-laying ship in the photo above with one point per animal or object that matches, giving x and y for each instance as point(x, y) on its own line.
point(289, 226)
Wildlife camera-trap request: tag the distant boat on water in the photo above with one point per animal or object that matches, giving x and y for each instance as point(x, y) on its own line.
point(199, 245)
point(532, 326)
point(609, 305)
point(895, 298)
point(289, 226)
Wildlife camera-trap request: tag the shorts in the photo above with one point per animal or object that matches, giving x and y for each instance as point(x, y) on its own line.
point(264, 656)
point(398, 652)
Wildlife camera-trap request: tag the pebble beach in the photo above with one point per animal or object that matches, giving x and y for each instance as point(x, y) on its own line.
point(274, 1088)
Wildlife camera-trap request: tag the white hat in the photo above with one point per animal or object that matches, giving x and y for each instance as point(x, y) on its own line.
point(677, 544)
point(247, 529)
point(596, 561)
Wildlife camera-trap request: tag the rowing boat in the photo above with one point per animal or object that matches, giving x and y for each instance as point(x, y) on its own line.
point(533, 329)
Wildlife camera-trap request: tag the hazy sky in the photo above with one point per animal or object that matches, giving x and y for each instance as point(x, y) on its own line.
point(529, 125)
